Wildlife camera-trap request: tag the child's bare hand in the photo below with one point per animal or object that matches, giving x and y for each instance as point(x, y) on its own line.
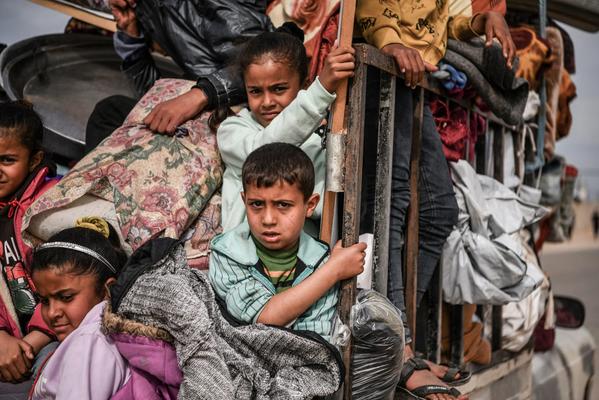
point(493, 25)
point(167, 116)
point(348, 261)
point(124, 15)
point(410, 63)
point(16, 356)
point(338, 66)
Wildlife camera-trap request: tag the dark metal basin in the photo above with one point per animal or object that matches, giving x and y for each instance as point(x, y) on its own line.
point(64, 76)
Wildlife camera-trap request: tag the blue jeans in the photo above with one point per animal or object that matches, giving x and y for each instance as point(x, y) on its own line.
point(438, 210)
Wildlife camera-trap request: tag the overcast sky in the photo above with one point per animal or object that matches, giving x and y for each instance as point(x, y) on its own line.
point(20, 19)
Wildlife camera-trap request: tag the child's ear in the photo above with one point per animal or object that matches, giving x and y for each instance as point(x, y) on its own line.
point(35, 160)
point(311, 204)
point(109, 282)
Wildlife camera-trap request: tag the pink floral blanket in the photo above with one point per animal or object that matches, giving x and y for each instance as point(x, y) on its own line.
point(159, 184)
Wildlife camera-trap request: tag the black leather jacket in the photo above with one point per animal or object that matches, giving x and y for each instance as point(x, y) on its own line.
point(202, 37)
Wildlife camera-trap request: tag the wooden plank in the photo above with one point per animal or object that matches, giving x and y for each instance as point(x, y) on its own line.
point(351, 206)
point(376, 58)
point(346, 30)
point(411, 246)
point(373, 57)
point(99, 19)
point(384, 163)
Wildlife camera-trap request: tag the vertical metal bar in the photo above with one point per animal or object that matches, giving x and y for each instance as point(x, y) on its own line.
point(434, 317)
point(498, 174)
point(542, 17)
point(489, 156)
point(351, 206)
point(517, 140)
point(456, 318)
point(412, 230)
point(382, 204)
point(480, 313)
point(498, 153)
point(542, 116)
point(428, 320)
point(480, 153)
point(468, 138)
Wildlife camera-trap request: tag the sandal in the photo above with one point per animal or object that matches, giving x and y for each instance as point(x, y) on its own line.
point(452, 371)
point(450, 375)
point(416, 364)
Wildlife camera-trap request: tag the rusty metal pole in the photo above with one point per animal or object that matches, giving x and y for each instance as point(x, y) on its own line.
point(346, 29)
point(412, 230)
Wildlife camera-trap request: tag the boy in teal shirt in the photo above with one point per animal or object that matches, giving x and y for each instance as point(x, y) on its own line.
point(268, 270)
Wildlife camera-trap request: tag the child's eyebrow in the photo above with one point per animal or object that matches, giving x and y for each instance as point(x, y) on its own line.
point(283, 201)
point(59, 292)
point(281, 83)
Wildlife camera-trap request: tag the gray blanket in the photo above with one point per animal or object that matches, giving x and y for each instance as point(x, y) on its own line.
point(219, 361)
point(487, 71)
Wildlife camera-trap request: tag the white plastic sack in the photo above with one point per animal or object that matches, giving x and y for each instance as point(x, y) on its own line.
point(483, 260)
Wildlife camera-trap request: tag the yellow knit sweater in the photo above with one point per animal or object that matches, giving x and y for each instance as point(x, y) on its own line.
point(420, 24)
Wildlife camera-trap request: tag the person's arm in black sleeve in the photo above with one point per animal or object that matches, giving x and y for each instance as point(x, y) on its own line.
point(223, 87)
point(137, 64)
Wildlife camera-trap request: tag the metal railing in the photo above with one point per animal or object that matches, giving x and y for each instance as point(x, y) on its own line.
point(426, 323)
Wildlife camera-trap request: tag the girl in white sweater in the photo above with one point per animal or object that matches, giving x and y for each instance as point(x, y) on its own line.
point(282, 108)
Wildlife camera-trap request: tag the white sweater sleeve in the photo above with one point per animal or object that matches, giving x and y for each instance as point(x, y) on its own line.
point(238, 136)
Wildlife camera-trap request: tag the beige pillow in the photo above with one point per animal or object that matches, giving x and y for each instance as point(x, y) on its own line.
point(42, 226)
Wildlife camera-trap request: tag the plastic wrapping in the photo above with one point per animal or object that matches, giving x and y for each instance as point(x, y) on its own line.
point(378, 334)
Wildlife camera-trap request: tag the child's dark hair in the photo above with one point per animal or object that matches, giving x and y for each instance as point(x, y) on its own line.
point(285, 45)
point(17, 119)
point(79, 263)
point(279, 162)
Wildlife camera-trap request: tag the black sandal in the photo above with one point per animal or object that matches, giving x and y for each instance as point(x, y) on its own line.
point(450, 375)
point(416, 364)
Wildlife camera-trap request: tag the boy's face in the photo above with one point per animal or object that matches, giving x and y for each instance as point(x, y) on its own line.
point(276, 214)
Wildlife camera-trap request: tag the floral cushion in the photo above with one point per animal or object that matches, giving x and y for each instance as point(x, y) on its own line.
point(201, 232)
point(158, 184)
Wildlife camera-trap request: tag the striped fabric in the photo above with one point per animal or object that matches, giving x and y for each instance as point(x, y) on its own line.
point(278, 265)
point(236, 278)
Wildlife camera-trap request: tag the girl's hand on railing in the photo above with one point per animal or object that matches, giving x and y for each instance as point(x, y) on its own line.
point(493, 25)
point(338, 66)
point(410, 63)
point(347, 262)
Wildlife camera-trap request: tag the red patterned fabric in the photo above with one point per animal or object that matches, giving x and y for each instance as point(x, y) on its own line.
point(451, 121)
point(317, 18)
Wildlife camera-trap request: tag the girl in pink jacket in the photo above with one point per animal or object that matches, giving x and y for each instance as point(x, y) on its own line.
point(24, 176)
point(72, 273)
